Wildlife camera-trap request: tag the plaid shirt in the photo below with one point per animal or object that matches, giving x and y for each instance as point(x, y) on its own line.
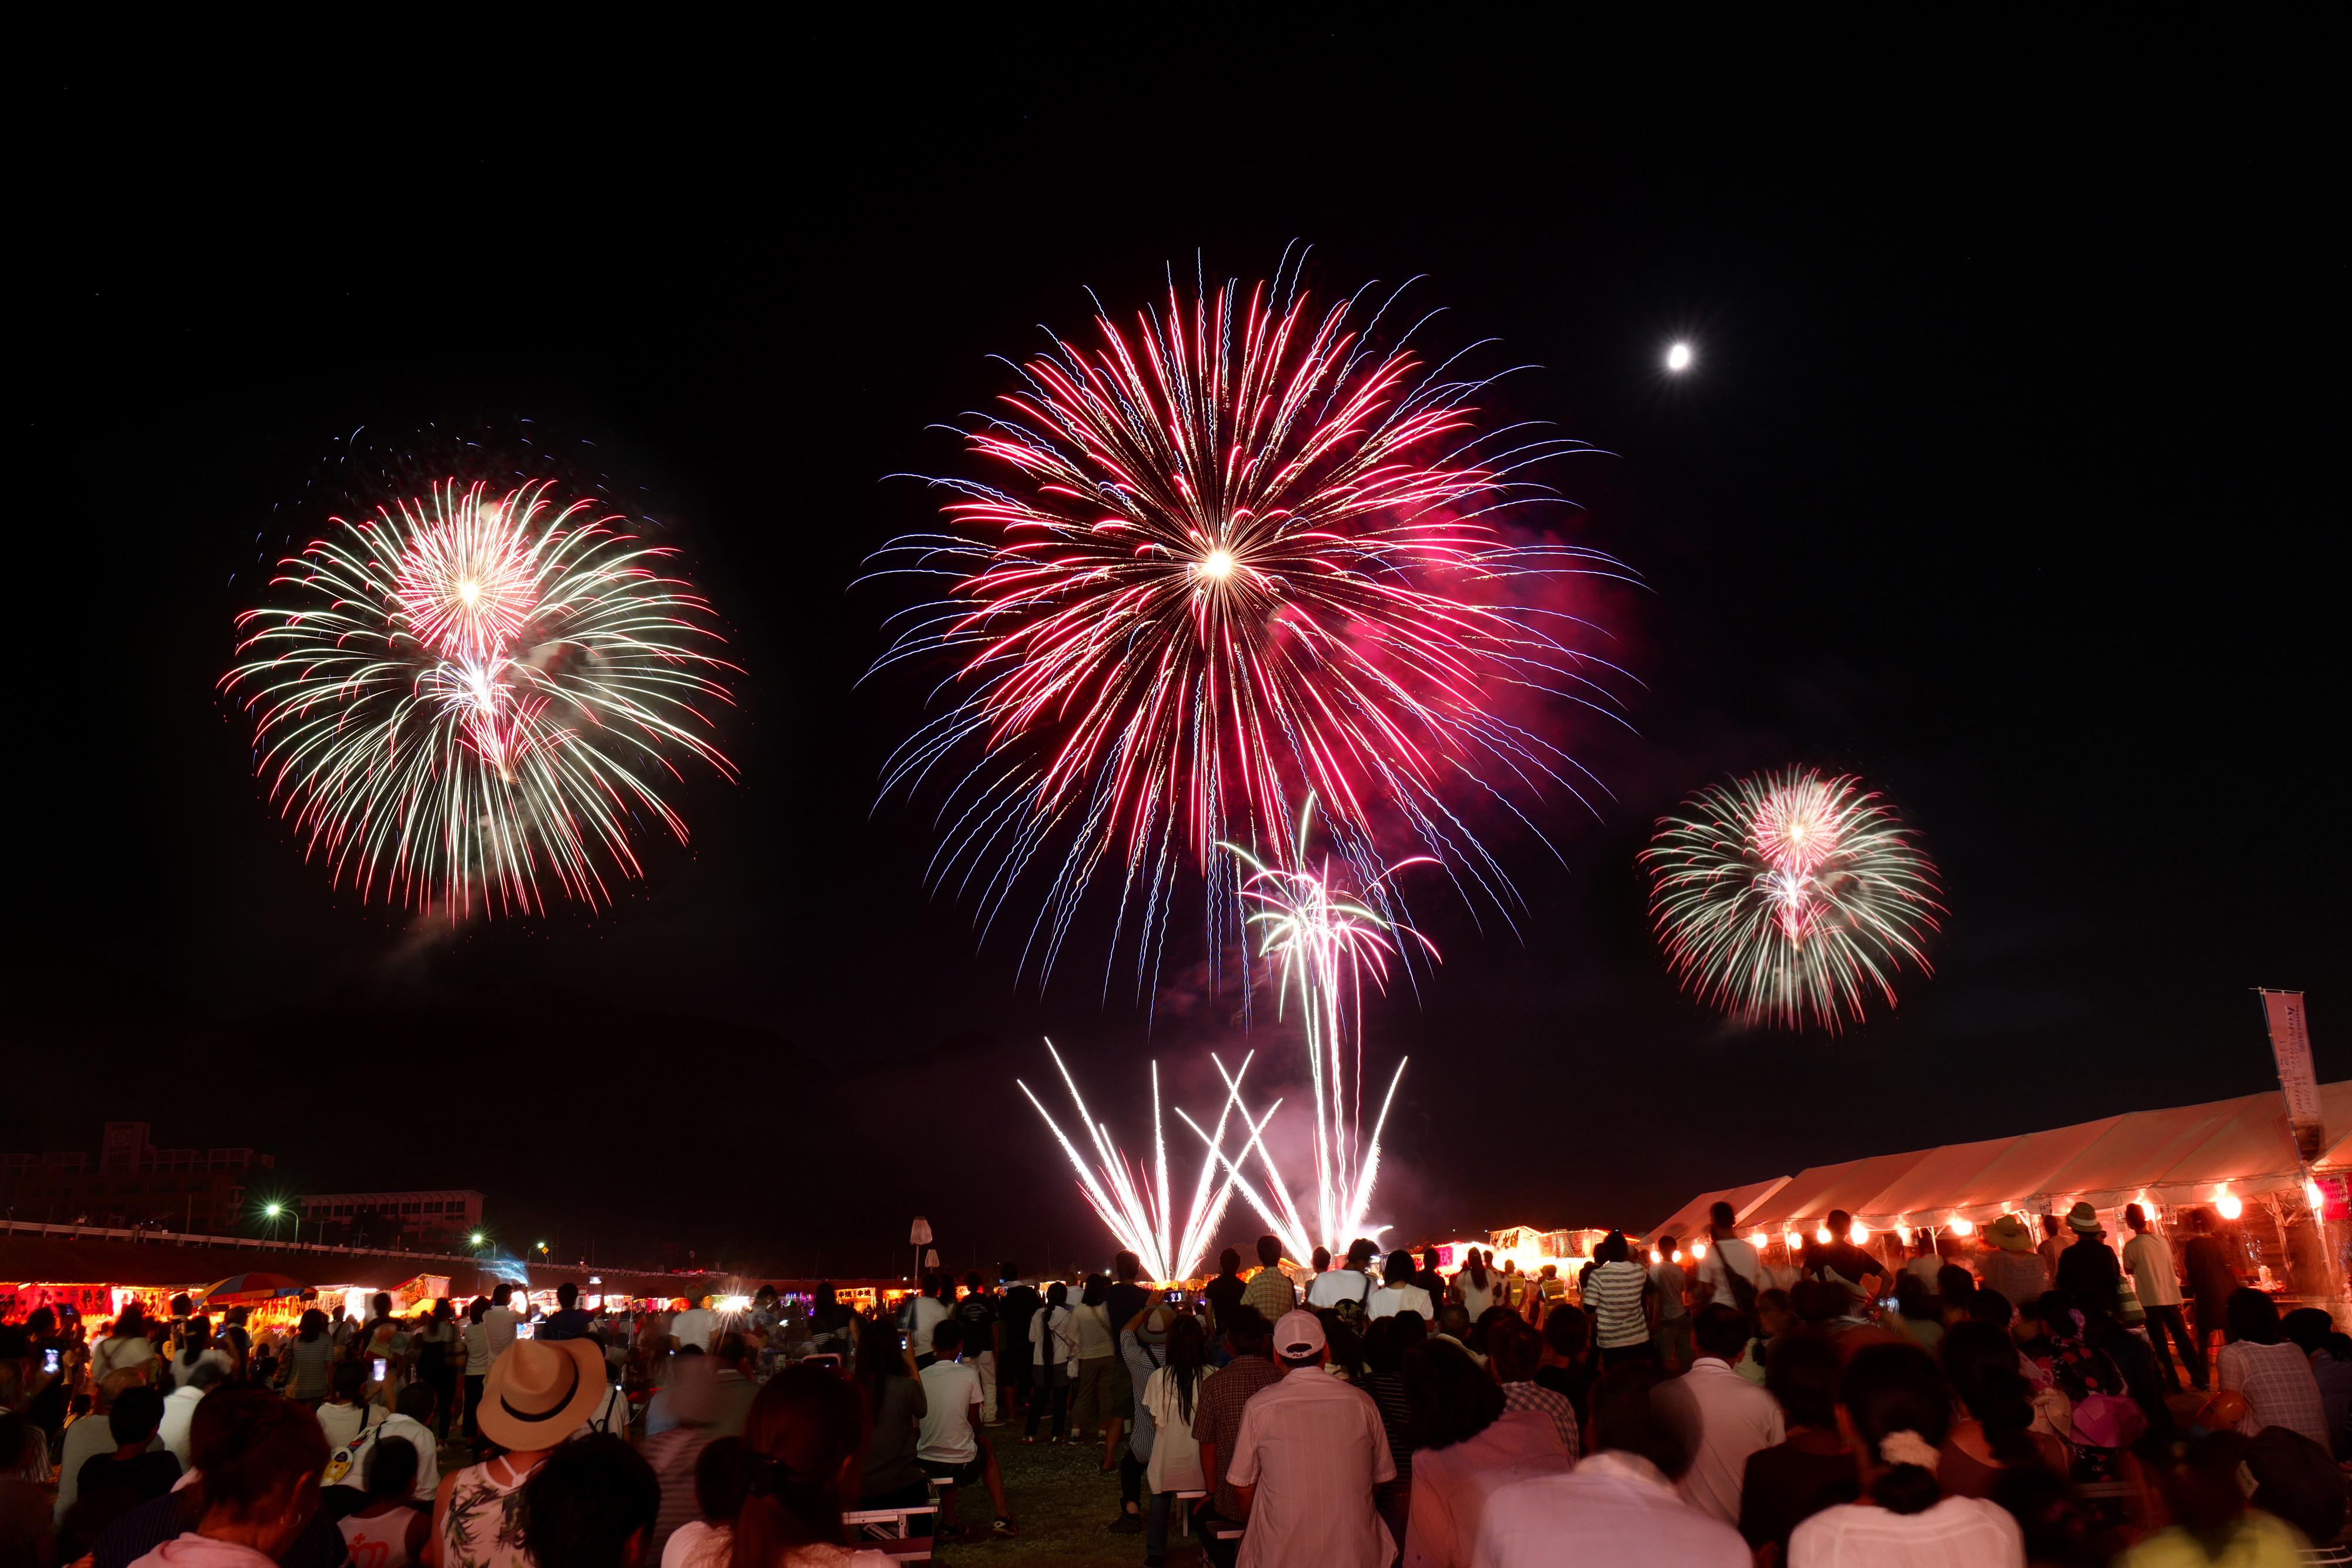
point(1217, 1418)
point(1270, 1292)
point(2280, 1389)
point(1546, 1402)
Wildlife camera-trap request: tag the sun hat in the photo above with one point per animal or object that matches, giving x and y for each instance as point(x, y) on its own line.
point(2009, 1233)
point(1156, 1323)
point(538, 1391)
point(1298, 1335)
point(2083, 1218)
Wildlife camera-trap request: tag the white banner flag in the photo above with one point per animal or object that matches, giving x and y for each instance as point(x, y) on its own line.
point(2291, 1044)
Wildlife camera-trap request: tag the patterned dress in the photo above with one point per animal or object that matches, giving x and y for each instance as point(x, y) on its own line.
point(483, 1527)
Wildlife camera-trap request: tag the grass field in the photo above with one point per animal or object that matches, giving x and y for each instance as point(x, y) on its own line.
point(1062, 1500)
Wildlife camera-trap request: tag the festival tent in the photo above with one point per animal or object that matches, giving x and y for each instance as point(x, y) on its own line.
point(2021, 1170)
point(1811, 1194)
point(1690, 1219)
point(1921, 1189)
point(2178, 1154)
point(2117, 1165)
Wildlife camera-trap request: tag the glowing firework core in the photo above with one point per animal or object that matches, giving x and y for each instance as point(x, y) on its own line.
point(1787, 898)
point(1242, 552)
point(465, 694)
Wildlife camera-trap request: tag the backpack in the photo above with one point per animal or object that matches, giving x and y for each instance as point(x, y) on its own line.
point(1358, 1312)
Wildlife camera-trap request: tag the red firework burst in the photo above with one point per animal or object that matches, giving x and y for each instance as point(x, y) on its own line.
point(1238, 556)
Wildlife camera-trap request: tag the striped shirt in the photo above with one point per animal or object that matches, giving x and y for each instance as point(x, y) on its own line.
point(1387, 1390)
point(1546, 1402)
point(1613, 1296)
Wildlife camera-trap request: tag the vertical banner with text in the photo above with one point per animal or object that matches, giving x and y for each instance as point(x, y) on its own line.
point(2291, 1044)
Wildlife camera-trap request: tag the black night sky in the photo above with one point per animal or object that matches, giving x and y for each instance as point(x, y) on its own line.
point(1998, 482)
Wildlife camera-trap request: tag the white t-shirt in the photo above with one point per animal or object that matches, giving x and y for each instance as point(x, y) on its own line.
point(183, 1370)
point(1391, 1299)
point(1475, 1298)
point(693, 1327)
point(1957, 1533)
point(928, 1313)
point(1727, 1256)
point(194, 1551)
point(697, 1544)
point(1335, 1285)
point(340, 1423)
point(499, 1330)
point(950, 1390)
point(117, 1354)
point(478, 1348)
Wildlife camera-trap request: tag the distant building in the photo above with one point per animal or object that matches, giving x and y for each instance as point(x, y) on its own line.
point(440, 1220)
point(132, 1183)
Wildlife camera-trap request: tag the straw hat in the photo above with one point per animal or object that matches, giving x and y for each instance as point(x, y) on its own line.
point(2083, 1218)
point(2009, 1234)
point(539, 1390)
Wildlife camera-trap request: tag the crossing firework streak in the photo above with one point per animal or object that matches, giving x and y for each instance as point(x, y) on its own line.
point(1134, 1201)
point(466, 698)
point(1237, 554)
point(1787, 898)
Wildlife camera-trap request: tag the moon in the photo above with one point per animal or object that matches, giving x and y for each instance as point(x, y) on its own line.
point(1678, 358)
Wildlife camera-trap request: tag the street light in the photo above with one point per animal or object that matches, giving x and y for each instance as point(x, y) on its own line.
point(476, 1240)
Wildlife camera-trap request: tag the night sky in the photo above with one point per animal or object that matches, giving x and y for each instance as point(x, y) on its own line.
point(1998, 482)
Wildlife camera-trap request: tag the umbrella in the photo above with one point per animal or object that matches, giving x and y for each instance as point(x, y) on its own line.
point(245, 1290)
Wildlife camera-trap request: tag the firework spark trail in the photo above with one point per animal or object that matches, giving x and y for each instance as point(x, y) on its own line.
point(1787, 898)
point(1134, 1202)
point(464, 693)
point(1241, 555)
point(1324, 945)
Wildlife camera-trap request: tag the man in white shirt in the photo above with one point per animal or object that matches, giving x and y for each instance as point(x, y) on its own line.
point(925, 1314)
point(180, 1408)
point(949, 1445)
point(1720, 1416)
point(695, 1325)
point(414, 1421)
point(1727, 1254)
point(2147, 1258)
point(1619, 1506)
point(1352, 1282)
point(499, 1322)
point(1310, 1451)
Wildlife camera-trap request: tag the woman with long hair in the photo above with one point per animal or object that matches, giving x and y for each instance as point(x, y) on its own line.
point(437, 1362)
point(895, 1407)
point(1466, 1445)
point(196, 1347)
point(1092, 1406)
point(1398, 1292)
point(1997, 1434)
point(1171, 1397)
point(801, 1442)
point(1053, 1349)
point(1477, 1285)
point(1895, 1411)
point(126, 1346)
point(309, 1359)
point(2274, 1375)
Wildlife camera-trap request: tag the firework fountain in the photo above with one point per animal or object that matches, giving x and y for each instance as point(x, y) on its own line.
point(1788, 897)
point(1134, 1200)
